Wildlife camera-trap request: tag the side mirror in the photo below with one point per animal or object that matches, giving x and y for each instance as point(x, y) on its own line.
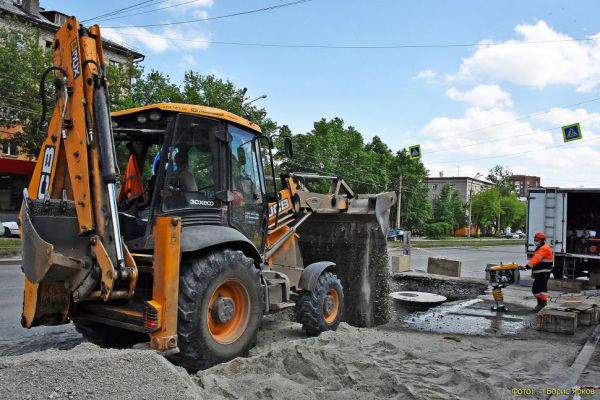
point(289, 150)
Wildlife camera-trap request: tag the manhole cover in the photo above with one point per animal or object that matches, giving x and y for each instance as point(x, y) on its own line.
point(418, 297)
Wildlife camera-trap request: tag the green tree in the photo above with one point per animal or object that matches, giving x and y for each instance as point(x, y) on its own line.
point(22, 61)
point(513, 212)
point(121, 78)
point(208, 90)
point(486, 207)
point(459, 210)
point(155, 87)
point(502, 178)
point(442, 206)
point(416, 207)
point(331, 148)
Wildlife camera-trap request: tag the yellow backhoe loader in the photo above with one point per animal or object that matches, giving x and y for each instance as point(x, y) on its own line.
point(197, 239)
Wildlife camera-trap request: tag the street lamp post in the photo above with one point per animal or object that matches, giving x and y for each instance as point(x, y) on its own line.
point(264, 96)
point(471, 203)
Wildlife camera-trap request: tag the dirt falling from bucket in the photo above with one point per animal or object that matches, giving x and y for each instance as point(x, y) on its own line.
point(356, 243)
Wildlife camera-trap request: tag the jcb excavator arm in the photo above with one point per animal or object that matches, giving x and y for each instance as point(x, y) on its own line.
point(71, 243)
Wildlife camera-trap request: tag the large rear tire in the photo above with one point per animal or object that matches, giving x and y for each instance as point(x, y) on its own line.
point(220, 308)
point(320, 310)
point(108, 336)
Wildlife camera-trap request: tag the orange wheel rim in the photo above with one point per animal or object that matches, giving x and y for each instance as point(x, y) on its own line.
point(229, 329)
point(331, 313)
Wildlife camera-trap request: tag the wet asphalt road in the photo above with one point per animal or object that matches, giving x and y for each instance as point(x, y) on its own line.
point(14, 338)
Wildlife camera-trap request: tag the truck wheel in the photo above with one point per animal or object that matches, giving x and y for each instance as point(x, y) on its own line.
point(321, 310)
point(220, 308)
point(108, 336)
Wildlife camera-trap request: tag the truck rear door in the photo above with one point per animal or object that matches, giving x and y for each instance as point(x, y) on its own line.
point(546, 213)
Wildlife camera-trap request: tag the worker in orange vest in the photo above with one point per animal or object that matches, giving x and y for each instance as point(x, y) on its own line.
point(541, 265)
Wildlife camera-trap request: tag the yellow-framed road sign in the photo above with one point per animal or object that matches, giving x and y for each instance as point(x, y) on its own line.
point(414, 152)
point(571, 132)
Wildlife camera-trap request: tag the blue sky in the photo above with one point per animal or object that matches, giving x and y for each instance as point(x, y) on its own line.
point(469, 107)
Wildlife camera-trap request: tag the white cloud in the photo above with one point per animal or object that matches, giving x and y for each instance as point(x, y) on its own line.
point(171, 38)
point(538, 65)
point(200, 14)
point(426, 74)
point(558, 116)
point(197, 8)
point(482, 138)
point(188, 61)
point(482, 96)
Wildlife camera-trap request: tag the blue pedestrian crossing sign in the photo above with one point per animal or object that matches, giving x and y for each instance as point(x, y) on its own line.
point(414, 152)
point(571, 132)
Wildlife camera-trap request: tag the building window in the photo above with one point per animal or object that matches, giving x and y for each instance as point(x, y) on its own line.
point(8, 149)
point(60, 19)
point(434, 187)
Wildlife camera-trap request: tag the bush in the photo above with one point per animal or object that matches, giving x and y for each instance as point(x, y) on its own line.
point(438, 230)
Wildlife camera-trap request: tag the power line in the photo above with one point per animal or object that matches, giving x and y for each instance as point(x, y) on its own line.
point(340, 47)
point(505, 138)
point(516, 154)
point(535, 114)
point(146, 12)
point(254, 11)
point(133, 6)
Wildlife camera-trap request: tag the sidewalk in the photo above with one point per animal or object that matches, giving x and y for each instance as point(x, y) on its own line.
point(10, 261)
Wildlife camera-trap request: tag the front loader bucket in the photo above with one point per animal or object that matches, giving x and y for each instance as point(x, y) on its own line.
point(356, 241)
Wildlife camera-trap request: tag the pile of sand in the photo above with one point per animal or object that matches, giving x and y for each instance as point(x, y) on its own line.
point(89, 372)
point(363, 364)
point(352, 363)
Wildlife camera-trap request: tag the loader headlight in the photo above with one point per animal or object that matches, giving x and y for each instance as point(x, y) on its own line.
point(142, 118)
point(155, 115)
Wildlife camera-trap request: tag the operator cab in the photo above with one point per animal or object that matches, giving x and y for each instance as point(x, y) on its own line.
point(200, 163)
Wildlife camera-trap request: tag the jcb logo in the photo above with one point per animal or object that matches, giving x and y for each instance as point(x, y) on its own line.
point(75, 59)
point(283, 206)
point(46, 172)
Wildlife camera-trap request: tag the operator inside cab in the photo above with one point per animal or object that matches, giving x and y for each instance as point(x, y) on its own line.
point(541, 265)
point(190, 171)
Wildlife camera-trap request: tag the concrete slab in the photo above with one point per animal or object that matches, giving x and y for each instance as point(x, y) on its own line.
point(444, 266)
point(566, 285)
point(552, 320)
point(400, 264)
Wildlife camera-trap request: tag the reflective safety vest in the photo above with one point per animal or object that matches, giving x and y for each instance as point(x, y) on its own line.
point(542, 260)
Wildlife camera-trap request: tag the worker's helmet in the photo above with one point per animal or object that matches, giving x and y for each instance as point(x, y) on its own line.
point(540, 235)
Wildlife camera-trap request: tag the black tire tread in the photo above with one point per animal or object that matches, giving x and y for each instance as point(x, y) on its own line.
point(309, 306)
point(196, 275)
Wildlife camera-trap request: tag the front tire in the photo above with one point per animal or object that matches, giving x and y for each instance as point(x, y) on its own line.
point(220, 308)
point(7, 233)
point(320, 310)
